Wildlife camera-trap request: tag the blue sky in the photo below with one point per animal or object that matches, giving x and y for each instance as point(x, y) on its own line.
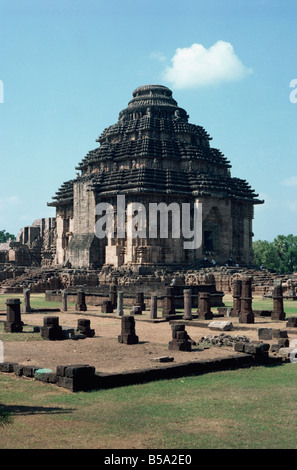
point(69, 67)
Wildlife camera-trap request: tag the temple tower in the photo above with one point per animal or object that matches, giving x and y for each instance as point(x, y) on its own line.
point(153, 155)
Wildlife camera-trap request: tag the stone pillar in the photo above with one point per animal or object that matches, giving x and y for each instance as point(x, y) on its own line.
point(168, 302)
point(180, 339)
point(278, 304)
point(81, 302)
point(204, 311)
point(64, 301)
point(236, 297)
point(26, 307)
point(187, 304)
point(139, 300)
point(13, 323)
point(128, 335)
point(154, 305)
point(246, 312)
point(113, 295)
point(120, 304)
point(106, 306)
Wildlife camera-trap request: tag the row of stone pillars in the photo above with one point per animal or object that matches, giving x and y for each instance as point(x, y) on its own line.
point(242, 301)
point(116, 301)
point(204, 304)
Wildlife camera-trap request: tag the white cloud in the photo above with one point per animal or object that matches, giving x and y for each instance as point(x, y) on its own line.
point(196, 66)
point(291, 181)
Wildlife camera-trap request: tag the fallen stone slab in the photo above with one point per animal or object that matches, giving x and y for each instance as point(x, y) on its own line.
point(220, 325)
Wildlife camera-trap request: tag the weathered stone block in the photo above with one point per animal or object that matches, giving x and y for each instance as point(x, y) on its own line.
point(239, 346)
point(292, 322)
point(265, 333)
point(283, 342)
point(7, 366)
point(107, 306)
point(220, 325)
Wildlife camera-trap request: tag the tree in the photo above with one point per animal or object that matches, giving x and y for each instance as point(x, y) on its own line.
point(287, 252)
point(279, 255)
point(5, 236)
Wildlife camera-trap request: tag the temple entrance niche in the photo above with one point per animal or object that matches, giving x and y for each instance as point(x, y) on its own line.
point(208, 241)
point(211, 232)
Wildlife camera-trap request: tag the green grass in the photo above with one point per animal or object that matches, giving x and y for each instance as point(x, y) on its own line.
point(36, 301)
point(290, 307)
point(252, 408)
point(26, 335)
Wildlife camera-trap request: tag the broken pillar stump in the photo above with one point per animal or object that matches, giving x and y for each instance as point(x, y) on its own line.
point(128, 335)
point(180, 339)
point(113, 295)
point(139, 300)
point(51, 329)
point(107, 306)
point(84, 327)
point(204, 306)
point(168, 302)
point(26, 307)
point(278, 304)
point(246, 314)
point(80, 305)
point(13, 323)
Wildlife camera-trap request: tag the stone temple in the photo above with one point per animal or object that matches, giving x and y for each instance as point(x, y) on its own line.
point(153, 154)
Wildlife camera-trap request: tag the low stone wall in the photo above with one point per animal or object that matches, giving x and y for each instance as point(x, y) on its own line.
point(85, 378)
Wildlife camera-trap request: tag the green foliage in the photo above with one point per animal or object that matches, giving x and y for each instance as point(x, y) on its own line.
point(279, 255)
point(5, 236)
point(5, 417)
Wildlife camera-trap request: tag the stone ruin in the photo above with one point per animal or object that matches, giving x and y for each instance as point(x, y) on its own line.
point(152, 154)
point(128, 335)
point(13, 323)
point(180, 339)
point(51, 329)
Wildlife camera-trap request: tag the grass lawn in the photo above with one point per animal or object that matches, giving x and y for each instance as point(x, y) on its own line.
point(252, 408)
point(36, 301)
point(290, 306)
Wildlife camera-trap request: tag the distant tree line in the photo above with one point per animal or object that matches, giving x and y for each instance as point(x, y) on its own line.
point(280, 255)
point(5, 236)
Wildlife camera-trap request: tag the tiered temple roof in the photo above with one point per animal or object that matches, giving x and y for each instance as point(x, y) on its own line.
point(153, 130)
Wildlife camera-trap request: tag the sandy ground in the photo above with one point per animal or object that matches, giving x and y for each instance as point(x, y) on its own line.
point(105, 352)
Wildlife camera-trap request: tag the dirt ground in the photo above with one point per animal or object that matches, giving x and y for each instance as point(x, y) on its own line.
point(108, 355)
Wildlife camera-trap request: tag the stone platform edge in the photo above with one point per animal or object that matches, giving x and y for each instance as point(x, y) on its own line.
point(83, 377)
